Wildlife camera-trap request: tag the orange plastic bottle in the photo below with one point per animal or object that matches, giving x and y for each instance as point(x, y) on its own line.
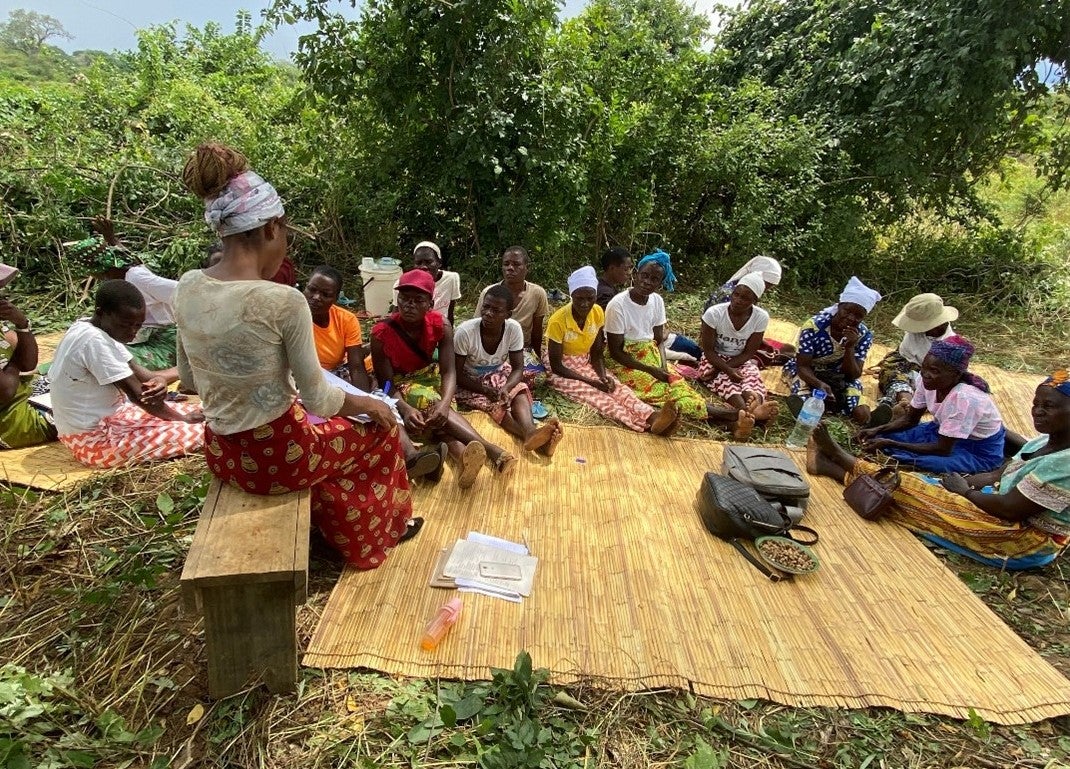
point(440, 624)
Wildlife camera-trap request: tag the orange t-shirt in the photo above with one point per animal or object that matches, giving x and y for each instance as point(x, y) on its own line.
point(342, 332)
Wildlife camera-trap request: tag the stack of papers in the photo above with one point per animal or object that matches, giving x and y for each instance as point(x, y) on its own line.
point(488, 565)
point(337, 381)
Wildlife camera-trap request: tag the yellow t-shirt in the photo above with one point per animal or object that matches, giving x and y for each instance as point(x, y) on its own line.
point(563, 329)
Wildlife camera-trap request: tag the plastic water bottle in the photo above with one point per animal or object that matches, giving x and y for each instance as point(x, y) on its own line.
point(440, 624)
point(809, 416)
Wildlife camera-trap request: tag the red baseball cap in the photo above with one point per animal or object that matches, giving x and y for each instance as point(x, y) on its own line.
point(418, 279)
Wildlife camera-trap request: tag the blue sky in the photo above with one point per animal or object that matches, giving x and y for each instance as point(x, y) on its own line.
point(109, 24)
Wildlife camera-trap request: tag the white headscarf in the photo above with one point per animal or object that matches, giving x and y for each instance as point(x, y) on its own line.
point(247, 202)
point(755, 282)
point(859, 293)
point(427, 244)
point(766, 265)
point(584, 277)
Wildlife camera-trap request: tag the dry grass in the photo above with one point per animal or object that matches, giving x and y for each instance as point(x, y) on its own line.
point(89, 584)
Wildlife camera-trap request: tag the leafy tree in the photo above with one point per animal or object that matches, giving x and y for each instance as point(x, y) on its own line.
point(28, 31)
point(923, 96)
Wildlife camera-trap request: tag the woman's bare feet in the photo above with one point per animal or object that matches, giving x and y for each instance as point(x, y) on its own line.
point(551, 446)
point(826, 457)
point(664, 418)
point(762, 411)
point(505, 464)
point(539, 438)
point(744, 426)
point(470, 463)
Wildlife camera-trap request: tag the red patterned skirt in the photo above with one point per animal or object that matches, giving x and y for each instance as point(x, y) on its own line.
point(356, 473)
point(132, 435)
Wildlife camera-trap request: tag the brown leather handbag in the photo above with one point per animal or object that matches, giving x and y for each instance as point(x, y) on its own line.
point(871, 495)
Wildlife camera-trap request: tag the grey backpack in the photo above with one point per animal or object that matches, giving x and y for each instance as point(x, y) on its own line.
point(772, 474)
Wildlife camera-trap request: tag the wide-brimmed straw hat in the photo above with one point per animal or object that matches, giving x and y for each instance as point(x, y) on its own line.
point(923, 313)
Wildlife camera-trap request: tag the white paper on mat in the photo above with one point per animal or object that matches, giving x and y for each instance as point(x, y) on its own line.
point(466, 555)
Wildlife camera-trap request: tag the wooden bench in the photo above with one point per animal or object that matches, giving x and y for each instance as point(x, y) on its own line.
point(246, 572)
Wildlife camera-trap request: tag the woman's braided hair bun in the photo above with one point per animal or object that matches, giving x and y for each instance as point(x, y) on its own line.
point(211, 167)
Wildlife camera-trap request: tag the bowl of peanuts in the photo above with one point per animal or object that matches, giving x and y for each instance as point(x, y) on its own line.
point(787, 555)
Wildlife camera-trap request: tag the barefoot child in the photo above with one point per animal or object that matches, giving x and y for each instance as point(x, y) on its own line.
point(490, 369)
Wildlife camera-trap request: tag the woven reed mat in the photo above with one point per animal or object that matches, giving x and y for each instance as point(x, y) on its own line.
point(1013, 393)
point(47, 344)
point(49, 467)
point(633, 592)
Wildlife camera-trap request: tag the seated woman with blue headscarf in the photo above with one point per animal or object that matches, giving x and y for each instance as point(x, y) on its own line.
point(966, 432)
point(635, 328)
point(832, 352)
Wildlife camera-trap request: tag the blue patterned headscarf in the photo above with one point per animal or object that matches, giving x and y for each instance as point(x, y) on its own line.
point(1060, 380)
point(661, 259)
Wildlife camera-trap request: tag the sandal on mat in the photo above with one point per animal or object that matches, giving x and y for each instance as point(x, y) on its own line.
point(505, 464)
point(468, 466)
point(412, 528)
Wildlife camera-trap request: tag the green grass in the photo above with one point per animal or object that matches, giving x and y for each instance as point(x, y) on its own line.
point(106, 670)
point(103, 668)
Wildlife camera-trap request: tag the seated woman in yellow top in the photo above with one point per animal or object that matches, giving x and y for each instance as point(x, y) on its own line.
point(339, 344)
point(577, 367)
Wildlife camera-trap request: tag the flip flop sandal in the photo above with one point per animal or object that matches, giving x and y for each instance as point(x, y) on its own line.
point(412, 528)
point(443, 452)
point(664, 418)
point(424, 462)
point(538, 411)
point(472, 459)
point(881, 415)
point(505, 464)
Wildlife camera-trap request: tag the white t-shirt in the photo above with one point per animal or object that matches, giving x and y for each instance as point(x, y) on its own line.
point(466, 341)
point(159, 295)
point(966, 412)
point(447, 289)
point(915, 346)
point(85, 368)
point(635, 321)
point(730, 340)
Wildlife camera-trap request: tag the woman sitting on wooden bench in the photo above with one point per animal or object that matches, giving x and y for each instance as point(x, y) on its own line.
point(244, 342)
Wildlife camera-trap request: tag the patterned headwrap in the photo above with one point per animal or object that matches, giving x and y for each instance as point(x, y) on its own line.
point(662, 259)
point(956, 351)
point(1060, 380)
point(93, 256)
point(247, 202)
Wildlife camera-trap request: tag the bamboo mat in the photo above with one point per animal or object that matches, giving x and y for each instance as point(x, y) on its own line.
point(47, 344)
point(633, 592)
point(49, 467)
point(1012, 392)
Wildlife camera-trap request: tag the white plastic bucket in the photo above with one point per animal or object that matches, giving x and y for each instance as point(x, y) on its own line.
point(378, 280)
